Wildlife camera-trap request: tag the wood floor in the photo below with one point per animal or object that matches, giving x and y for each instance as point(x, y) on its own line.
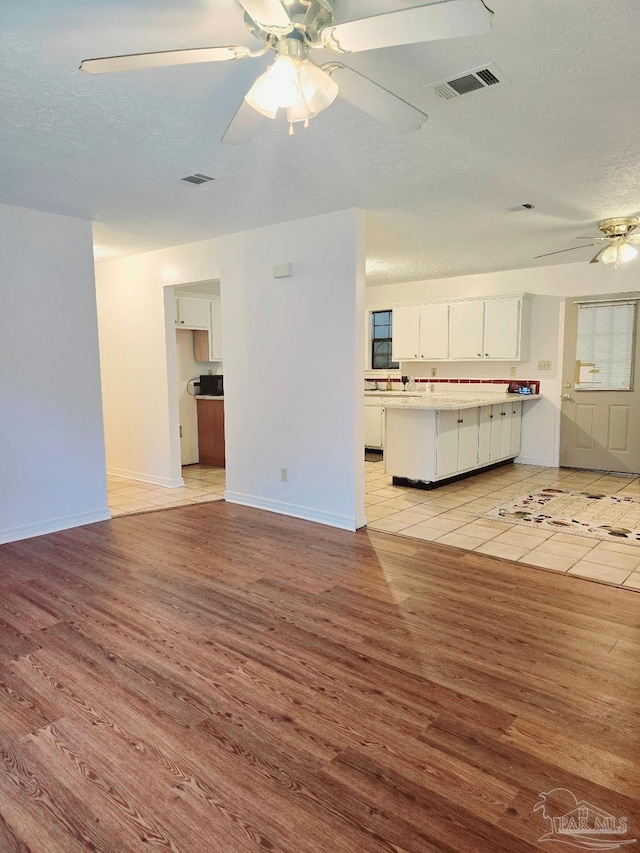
point(214, 679)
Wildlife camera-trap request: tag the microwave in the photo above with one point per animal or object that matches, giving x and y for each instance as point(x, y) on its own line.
point(211, 386)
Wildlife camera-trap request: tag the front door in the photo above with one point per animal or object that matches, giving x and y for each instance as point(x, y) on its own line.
point(600, 422)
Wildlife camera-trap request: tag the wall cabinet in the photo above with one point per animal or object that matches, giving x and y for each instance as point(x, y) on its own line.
point(193, 313)
point(207, 344)
point(421, 332)
point(468, 330)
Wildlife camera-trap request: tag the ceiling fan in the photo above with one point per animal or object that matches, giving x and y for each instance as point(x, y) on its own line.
point(620, 242)
point(294, 83)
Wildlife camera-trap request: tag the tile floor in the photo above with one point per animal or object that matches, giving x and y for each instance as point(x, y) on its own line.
point(201, 484)
point(454, 515)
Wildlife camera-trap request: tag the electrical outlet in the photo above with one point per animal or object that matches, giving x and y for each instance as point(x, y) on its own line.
point(544, 365)
point(434, 371)
point(284, 475)
point(512, 371)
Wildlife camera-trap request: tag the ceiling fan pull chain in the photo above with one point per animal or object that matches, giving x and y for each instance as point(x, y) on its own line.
point(290, 128)
point(306, 123)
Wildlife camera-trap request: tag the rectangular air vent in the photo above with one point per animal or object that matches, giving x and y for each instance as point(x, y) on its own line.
point(476, 80)
point(197, 179)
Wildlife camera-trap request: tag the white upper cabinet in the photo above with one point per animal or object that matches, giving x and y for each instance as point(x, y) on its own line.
point(434, 331)
point(406, 333)
point(502, 329)
point(421, 332)
point(466, 331)
point(193, 313)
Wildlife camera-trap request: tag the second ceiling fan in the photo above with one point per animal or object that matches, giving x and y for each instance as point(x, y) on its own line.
point(294, 83)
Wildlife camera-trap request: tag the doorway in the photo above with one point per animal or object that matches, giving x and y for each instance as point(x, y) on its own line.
point(600, 414)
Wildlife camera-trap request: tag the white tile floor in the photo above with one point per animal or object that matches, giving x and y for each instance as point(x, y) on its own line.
point(201, 484)
point(454, 515)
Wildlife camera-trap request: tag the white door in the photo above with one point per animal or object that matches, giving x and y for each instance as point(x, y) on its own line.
point(193, 313)
point(405, 345)
point(466, 331)
point(447, 449)
point(600, 416)
point(484, 438)
point(502, 328)
point(516, 427)
point(496, 433)
point(373, 426)
point(467, 439)
point(434, 331)
point(215, 335)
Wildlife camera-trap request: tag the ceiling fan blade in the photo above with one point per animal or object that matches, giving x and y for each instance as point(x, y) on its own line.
point(244, 125)
point(269, 14)
point(376, 101)
point(594, 239)
point(560, 251)
point(596, 259)
point(442, 20)
point(162, 58)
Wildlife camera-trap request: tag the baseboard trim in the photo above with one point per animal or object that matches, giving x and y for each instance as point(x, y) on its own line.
point(167, 482)
point(54, 525)
point(293, 510)
point(528, 460)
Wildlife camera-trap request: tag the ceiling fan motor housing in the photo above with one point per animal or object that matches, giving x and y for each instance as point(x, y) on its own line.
point(619, 226)
point(309, 18)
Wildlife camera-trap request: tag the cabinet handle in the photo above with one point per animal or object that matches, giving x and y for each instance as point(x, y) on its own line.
point(503, 413)
point(486, 355)
point(491, 417)
point(182, 321)
point(479, 355)
point(416, 355)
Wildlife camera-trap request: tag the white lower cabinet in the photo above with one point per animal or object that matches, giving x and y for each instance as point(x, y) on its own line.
point(516, 428)
point(457, 441)
point(431, 445)
point(373, 425)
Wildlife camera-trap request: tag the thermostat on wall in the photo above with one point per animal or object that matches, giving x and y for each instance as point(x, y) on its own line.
point(283, 271)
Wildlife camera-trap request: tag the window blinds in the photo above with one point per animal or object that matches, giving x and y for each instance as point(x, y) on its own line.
point(605, 346)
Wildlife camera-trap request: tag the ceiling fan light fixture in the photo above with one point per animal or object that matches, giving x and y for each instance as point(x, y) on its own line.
point(277, 88)
point(618, 253)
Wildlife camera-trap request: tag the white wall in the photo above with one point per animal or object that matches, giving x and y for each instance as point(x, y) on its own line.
point(52, 471)
point(138, 357)
point(550, 286)
point(294, 361)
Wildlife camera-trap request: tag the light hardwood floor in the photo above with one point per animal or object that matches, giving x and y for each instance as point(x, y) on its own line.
point(216, 679)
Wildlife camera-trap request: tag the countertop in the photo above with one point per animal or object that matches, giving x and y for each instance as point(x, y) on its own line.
point(434, 401)
point(208, 397)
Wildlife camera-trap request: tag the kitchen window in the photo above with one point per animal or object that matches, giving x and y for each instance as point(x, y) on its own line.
point(381, 338)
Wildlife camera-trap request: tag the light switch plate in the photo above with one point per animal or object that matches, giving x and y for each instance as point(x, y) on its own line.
point(544, 365)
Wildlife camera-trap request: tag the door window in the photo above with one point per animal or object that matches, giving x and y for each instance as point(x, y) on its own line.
point(605, 346)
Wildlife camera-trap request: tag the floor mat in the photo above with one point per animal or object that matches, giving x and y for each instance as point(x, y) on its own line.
point(587, 513)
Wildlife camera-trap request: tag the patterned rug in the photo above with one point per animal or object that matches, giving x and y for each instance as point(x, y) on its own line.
point(585, 513)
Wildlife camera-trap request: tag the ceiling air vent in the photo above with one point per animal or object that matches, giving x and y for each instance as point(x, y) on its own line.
point(476, 80)
point(197, 179)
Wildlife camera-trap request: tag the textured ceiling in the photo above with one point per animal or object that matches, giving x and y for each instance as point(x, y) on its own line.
point(563, 135)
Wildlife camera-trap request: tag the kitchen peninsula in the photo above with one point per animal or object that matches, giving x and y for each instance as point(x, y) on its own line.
point(434, 438)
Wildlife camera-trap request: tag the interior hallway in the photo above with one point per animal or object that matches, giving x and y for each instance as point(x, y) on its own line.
point(201, 485)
